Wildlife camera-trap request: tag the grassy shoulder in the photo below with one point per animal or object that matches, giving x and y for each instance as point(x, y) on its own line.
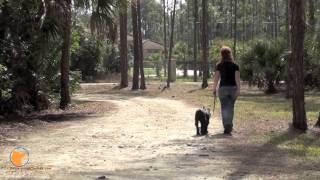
point(266, 120)
point(305, 146)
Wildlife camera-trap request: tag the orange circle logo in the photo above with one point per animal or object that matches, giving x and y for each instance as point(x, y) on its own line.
point(19, 157)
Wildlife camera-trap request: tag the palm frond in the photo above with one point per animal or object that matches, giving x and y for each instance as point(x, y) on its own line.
point(102, 20)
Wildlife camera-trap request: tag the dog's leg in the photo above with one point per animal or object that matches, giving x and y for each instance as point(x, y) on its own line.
point(197, 127)
point(196, 122)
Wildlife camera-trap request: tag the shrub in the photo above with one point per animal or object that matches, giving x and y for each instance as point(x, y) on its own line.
point(263, 64)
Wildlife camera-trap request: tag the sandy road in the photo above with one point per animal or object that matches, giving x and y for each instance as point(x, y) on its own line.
point(143, 138)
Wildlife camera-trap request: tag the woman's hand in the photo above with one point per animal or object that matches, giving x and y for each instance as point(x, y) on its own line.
point(214, 92)
point(215, 82)
point(238, 92)
point(238, 83)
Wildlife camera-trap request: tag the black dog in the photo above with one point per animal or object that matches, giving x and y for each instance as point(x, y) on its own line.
point(203, 116)
point(318, 122)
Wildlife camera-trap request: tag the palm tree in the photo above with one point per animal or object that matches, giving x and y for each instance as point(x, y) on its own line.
point(123, 43)
point(136, 53)
point(297, 21)
point(61, 11)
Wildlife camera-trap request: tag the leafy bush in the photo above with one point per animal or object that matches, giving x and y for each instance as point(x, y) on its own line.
point(5, 91)
point(312, 61)
point(263, 64)
point(156, 59)
point(92, 56)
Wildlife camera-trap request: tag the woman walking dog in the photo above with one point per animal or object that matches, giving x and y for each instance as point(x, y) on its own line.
point(227, 73)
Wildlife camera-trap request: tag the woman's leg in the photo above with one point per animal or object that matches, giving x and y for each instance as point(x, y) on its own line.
point(227, 99)
point(223, 96)
point(232, 100)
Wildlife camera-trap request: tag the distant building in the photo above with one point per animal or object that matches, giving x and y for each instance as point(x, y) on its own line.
point(149, 46)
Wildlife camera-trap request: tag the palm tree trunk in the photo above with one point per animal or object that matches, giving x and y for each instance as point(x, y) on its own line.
point(136, 53)
point(123, 44)
point(65, 59)
point(297, 10)
point(205, 43)
point(171, 44)
point(143, 81)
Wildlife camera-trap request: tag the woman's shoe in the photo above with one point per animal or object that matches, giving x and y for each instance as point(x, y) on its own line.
point(228, 129)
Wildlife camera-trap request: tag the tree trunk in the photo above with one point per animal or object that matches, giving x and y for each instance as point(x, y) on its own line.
point(253, 20)
point(297, 20)
point(143, 81)
point(231, 18)
point(205, 44)
point(287, 21)
point(158, 69)
point(288, 43)
point(258, 25)
point(165, 37)
point(311, 16)
point(185, 67)
point(136, 53)
point(268, 18)
point(195, 41)
point(271, 89)
point(244, 35)
point(235, 29)
point(171, 43)
point(123, 44)
point(189, 41)
point(65, 59)
point(275, 16)
point(288, 80)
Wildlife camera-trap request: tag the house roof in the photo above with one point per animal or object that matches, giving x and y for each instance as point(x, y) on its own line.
point(147, 44)
point(151, 45)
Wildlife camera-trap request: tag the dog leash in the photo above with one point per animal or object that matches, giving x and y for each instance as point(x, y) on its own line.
point(214, 102)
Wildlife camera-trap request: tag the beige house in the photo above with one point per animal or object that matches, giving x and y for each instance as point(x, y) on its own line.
point(149, 47)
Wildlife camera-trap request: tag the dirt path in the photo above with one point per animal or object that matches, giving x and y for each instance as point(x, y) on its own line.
point(144, 138)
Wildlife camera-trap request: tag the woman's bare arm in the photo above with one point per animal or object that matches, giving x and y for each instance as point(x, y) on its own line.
point(216, 80)
point(238, 82)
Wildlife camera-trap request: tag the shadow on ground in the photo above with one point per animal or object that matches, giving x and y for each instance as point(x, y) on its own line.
point(218, 156)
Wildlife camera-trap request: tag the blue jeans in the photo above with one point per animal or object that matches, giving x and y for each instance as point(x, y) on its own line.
point(227, 96)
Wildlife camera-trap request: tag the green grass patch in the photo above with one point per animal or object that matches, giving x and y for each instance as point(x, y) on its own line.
point(303, 145)
point(255, 105)
point(263, 119)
